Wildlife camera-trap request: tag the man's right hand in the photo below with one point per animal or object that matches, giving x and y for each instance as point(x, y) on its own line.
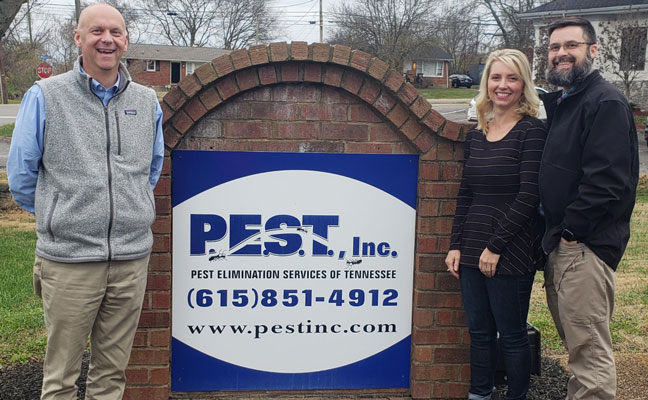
point(452, 262)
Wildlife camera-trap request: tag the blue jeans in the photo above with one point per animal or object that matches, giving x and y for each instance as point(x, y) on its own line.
point(492, 305)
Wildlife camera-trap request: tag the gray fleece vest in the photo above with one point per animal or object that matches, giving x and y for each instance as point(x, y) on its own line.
point(93, 197)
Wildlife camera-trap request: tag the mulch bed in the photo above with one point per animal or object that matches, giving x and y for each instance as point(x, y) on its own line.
point(23, 382)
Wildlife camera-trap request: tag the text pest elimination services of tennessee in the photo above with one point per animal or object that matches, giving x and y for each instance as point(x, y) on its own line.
point(292, 270)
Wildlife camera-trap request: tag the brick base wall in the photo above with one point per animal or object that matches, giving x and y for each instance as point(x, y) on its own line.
point(318, 98)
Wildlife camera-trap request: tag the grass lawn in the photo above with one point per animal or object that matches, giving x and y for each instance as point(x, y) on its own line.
point(7, 130)
point(449, 93)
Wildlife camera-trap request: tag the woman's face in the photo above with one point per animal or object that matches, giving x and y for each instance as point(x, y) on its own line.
point(505, 86)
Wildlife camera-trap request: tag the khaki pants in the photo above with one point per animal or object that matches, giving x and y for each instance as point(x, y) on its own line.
point(580, 295)
point(102, 300)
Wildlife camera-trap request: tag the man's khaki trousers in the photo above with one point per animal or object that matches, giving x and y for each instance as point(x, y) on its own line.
point(580, 295)
point(102, 300)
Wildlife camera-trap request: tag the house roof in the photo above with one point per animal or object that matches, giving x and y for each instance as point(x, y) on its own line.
point(172, 53)
point(432, 52)
point(585, 7)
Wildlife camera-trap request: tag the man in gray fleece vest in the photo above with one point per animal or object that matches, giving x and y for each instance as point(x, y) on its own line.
point(86, 153)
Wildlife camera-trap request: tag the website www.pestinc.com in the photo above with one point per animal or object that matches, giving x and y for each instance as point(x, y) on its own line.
point(307, 328)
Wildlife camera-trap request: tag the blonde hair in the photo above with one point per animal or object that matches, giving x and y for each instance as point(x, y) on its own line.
point(529, 102)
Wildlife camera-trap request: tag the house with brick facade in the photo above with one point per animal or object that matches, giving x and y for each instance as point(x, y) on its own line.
point(432, 63)
point(162, 65)
point(622, 33)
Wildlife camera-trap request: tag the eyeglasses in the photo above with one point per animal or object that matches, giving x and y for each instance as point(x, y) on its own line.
point(555, 47)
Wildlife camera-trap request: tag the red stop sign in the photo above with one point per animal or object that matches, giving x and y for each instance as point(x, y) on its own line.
point(44, 70)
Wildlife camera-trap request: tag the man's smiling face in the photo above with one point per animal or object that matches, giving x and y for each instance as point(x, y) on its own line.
point(570, 56)
point(102, 38)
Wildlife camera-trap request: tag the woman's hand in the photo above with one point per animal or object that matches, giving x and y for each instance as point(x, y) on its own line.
point(487, 262)
point(452, 262)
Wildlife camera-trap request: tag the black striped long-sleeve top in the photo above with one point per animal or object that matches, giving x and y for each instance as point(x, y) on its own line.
point(498, 198)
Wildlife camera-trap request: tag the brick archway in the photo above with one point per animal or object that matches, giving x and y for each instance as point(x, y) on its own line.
point(340, 100)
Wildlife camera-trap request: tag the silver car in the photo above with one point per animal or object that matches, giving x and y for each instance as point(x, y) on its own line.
point(472, 108)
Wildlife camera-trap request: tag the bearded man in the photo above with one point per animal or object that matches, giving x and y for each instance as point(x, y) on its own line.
point(587, 182)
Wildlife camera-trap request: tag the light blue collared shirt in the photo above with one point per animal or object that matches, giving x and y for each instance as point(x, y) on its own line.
point(26, 148)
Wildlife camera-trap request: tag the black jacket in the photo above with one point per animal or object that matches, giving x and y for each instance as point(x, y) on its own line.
point(590, 168)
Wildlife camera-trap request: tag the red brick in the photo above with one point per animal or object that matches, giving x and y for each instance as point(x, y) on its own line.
point(403, 148)
point(445, 318)
point(289, 72)
point(362, 113)
point(369, 92)
point(444, 372)
point(429, 171)
point(378, 148)
point(451, 171)
point(428, 208)
point(423, 317)
point(323, 112)
point(223, 65)
point(175, 98)
point(384, 103)
point(313, 73)
point(437, 190)
point(437, 336)
point(137, 376)
point(341, 54)
point(259, 54)
point(447, 282)
point(160, 262)
point(247, 130)
point(275, 111)
point(448, 207)
point(444, 244)
point(426, 244)
point(352, 81)
point(458, 390)
point(240, 59)
point(160, 300)
point(360, 60)
point(321, 52)
point(274, 146)
point(422, 354)
point(336, 96)
point(321, 147)
point(420, 107)
point(424, 141)
point(163, 206)
point(278, 51)
point(161, 338)
point(305, 93)
point(431, 263)
point(439, 299)
point(195, 109)
point(149, 357)
point(421, 390)
point(411, 129)
point(141, 339)
point(408, 93)
point(451, 130)
point(182, 122)
point(162, 224)
point(383, 133)
point(298, 51)
point(465, 373)
point(167, 112)
point(378, 68)
point(459, 151)
point(434, 121)
point(206, 74)
point(247, 79)
point(210, 98)
point(397, 115)
point(158, 282)
point(445, 151)
point(163, 186)
point(333, 76)
point(166, 165)
point(190, 85)
point(297, 130)
point(146, 392)
point(151, 319)
point(267, 75)
point(160, 376)
point(227, 87)
point(345, 132)
point(394, 81)
point(425, 281)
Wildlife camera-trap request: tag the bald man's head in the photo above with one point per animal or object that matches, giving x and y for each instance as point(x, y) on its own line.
point(101, 35)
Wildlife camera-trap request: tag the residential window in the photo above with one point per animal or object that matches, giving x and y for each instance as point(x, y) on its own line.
point(153, 65)
point(432, 68)
point(192, 66)
point(633, 49)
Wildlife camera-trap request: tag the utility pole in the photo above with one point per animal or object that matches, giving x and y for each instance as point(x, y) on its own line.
point(321, 23)
point(77, 10)
point(29, 23)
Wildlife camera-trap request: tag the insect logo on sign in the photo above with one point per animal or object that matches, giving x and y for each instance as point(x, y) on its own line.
point(44, 70)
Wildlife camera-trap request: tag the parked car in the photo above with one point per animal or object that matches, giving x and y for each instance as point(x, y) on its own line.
point(646, 134)
point(459, 80)
point(472, 107)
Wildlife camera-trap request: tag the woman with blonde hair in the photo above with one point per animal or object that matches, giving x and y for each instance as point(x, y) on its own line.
point(496, 234)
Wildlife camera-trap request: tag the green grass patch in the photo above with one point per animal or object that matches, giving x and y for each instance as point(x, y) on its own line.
point(22, 331)
point(7, 130)
point(449, 93)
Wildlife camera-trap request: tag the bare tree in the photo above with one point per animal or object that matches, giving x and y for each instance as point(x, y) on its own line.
point(516, 33)
point(622, 50)
point(184, 22)
point(245, 22)
point(390, 29)
point(460, 35)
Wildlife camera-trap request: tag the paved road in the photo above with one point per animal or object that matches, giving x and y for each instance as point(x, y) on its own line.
point(8, 113)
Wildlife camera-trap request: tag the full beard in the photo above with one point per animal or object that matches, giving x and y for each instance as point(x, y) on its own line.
point(576, 74)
